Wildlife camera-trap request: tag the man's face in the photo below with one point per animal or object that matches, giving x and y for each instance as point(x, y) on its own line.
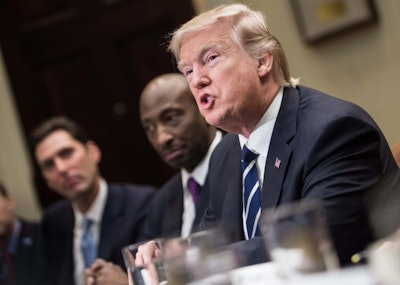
point(222, 76)
point(175, 127)
point(7, 217)
point(69, 167)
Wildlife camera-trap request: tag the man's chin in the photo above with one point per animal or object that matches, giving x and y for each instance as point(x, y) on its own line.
point(175, 158)
point(173, 164)
point(214, 119)
point(72, 194)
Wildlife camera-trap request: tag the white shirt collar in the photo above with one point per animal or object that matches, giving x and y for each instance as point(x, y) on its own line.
point(95, 212)
point(257, 139)
point(200, 175)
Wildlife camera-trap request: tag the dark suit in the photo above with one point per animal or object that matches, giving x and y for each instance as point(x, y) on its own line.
point(165, 217)
point(29, 260)
point(122, 224)
point(329, 150)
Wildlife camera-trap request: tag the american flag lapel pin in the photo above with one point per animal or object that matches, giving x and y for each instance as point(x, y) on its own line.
point(277, 163)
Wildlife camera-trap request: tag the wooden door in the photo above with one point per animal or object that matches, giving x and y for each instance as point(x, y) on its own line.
point(89, 60)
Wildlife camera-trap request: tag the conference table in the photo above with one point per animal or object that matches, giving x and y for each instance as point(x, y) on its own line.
point(266, 274)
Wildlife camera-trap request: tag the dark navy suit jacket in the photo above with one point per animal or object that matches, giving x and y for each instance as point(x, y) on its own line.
point(122, 224)
point(29, 259)
point(165, 217)
point(329, 150)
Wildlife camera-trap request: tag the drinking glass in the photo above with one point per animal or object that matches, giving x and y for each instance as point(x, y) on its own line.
point(297, 238)
point(383, 258)
point(152, 273)
point(184, 260)
point(209, 259)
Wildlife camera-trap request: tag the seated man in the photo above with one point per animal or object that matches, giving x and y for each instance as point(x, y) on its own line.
point(185, 141)
point(287, 142)
point(96, 218)
point(21, 253)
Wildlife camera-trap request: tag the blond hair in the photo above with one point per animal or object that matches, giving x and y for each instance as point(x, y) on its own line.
point(248, 29)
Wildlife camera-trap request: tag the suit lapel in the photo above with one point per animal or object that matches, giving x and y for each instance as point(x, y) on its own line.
point(278, 157)
point(26, 251)
point(67, 272)
point(232, 208)
point(111, 211)
point(203, 203)
point(173, 217)
point(280, 152)
point(25, 242)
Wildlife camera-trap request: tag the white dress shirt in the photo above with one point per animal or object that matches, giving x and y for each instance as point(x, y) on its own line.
point(200, 175)
point(95, 214)
point(259, 140)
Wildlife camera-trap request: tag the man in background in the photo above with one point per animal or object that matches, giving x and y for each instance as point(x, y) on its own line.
point(183, 139)
point(96, 218)
point(21, 256)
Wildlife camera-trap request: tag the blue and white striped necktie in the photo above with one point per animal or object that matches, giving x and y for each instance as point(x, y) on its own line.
point(251, 193)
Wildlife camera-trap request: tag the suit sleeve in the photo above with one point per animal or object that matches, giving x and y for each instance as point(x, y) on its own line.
point(343, 165)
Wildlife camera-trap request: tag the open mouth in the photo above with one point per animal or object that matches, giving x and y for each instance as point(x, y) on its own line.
point(206, 101)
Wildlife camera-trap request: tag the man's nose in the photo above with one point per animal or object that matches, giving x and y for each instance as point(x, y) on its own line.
point(60, 165)
point(199, 79)
point(163, 135)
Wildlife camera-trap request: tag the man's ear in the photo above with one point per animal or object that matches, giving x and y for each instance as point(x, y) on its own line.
point(265, 64)
point(94, 151)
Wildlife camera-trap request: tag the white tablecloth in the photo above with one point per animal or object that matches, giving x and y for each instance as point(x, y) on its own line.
point(266, 273)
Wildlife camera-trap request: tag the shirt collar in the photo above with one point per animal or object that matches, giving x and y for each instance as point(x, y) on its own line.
point(95, 211)
point(256, 141)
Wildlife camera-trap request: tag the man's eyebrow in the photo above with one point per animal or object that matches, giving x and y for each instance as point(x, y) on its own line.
point(200, 54)
point(181, 65)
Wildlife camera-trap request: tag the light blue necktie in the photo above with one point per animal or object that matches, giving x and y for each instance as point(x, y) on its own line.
point(251, 193)
point(88, 246)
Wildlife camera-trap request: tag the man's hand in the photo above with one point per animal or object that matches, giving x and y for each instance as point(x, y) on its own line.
point(144, 258)
point(105, 273)
point(146, 253)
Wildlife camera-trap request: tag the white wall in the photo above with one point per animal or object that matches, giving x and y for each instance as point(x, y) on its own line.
point(362, 66)
point(15, 166)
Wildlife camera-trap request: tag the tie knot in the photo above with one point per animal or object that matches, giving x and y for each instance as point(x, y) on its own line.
point(194, 189)
point(86, 223)
point(248, 155)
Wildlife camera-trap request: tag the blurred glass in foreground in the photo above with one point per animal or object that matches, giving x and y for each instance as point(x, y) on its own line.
point(152, 273)
point(202, 258)
point(383, 258)
point(297, 238)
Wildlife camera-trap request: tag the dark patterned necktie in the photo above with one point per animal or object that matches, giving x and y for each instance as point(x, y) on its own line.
point(251, 193)
point(194, 189)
